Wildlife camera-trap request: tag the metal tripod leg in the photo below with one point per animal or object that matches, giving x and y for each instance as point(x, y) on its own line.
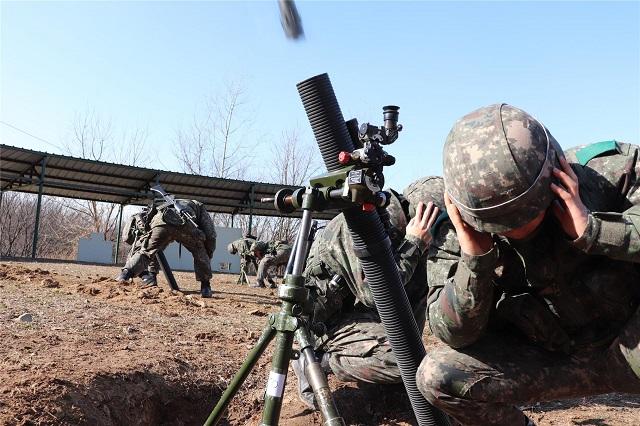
point(278, 373)
point(285, 325)
point(237, 381)
point(166, 269)
point(243, 278)
point(318, 380)
point(288, 324)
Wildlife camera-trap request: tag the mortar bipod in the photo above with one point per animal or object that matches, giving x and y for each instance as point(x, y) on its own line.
point(286, 326)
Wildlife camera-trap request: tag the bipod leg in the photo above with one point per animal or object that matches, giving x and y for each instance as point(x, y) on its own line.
point(318, 380)
point(237, 381)
point(287, 323)
point(166, 269)
point(242, 278)
point(279, 368)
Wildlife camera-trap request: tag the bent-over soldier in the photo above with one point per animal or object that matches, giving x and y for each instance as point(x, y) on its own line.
point(271, 255)
point(165, 226)
point(242, 247)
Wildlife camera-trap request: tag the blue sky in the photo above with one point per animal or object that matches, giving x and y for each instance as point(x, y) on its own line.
point(574, 65)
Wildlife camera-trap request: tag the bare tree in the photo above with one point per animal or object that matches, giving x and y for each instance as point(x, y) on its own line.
point(92, 137)
point(16, 231)
point(214, 144)
point(132, 149)
point(215, 141)
point(292, 163)
point(59, 227)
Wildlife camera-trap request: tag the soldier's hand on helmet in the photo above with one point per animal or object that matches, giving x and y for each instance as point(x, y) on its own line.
point(422, 222)
point(568, 208)
point(472, 242)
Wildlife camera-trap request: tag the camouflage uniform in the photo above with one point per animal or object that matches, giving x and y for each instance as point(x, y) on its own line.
point(277, 253)
point(166, 226)
point(355, 346)
point(242, 248)
point(138, 226)
point(541, 318)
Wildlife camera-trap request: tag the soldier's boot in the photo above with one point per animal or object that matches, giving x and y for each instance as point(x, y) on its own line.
point(305, 392)
point(205, 289)
point(125, 275)
point(149, 279)
point(258, 283)
point(272, 284)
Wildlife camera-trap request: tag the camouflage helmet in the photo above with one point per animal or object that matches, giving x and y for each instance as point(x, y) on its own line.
point(397, 211)
point(498, 163)
point(231, 248)
point(426, 189)
point(260, 246)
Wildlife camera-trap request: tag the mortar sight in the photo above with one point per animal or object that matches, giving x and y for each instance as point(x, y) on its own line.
point(383, 135)
point(390, 114)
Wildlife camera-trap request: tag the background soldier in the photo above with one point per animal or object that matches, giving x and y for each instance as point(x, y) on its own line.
point(133, 230)
point(271, 255)
point(242, 247)
point(355, 346)
point(534, 291)
point(166, 225)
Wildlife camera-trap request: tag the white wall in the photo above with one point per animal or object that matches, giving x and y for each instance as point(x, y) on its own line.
point(95, 249)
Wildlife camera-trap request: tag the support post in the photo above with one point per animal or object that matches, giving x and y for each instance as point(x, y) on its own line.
point(115, 258)
point(251, 210)
point(34, 245)
point(232, 216)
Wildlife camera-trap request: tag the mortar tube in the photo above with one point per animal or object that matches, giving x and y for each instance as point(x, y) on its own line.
point(373, 246)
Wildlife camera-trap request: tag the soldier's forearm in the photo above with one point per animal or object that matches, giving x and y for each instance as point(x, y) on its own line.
point(616, 235)
point(461, 311)
point(410, 252)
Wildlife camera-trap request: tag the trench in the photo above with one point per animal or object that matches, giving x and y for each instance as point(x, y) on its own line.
point(137, 398)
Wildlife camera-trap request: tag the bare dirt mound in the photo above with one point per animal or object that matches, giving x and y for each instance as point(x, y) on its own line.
point(76, 347)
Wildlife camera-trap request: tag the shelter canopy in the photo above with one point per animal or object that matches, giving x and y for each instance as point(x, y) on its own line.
point(64, 176)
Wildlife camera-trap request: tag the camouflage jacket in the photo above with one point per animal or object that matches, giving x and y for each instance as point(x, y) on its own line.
point(169, 216)
point(561, 294)
point(242, 246)
point(332, 254)
point(278, 248)
point(135, 227)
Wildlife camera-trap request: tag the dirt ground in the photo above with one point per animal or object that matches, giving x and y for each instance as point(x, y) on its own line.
point(105, 353)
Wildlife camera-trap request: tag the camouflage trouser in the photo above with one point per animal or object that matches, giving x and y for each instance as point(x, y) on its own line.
point(143, 253)
point(358, 351)
point(269, 261)
point(154, 265)
point(483, 383)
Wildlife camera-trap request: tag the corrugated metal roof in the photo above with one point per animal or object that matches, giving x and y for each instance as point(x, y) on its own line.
point(116, 183)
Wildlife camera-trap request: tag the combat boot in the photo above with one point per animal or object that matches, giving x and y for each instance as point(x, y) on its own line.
point(205, 289)
point(257, 284)
point(272, 284)
point(125, 275)
point(149, 279)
